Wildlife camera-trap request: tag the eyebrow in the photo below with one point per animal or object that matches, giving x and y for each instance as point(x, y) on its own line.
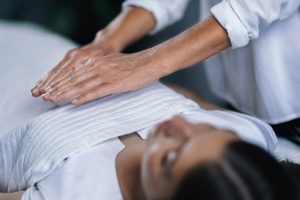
point(169, 167)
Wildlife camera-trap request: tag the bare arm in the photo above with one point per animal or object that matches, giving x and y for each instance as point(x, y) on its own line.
point(199, 42)
point(11, 196)
point(129, 26)
point(116, 73)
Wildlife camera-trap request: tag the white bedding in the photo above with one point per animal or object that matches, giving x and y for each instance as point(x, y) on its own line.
point(25, 50)
point(34, 142)
point(21, 66)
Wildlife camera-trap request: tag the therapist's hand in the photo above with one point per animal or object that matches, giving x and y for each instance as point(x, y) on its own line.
point(74, 59)
point(90, 74)
point(102, 75)
point(130, 25)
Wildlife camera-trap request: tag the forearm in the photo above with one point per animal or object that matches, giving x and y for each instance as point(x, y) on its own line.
point(194, 45)
point(130, 25)
point(11, 196)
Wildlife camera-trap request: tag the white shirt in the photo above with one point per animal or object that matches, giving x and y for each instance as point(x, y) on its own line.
point(260, 74)
point(91, 174)
point(88, 174)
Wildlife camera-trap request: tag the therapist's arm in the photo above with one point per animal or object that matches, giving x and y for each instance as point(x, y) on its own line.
point(194, 45)
point(11, 196)
point(118, 73)
point(130, 25)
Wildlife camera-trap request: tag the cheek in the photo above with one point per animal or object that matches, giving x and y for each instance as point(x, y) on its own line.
point(151, 171)
point(149, 165)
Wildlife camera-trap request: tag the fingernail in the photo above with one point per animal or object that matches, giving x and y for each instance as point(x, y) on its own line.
point(36, 85)
point(34, 90)
point(35, 93)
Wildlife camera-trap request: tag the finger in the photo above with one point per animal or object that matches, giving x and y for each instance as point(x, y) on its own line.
point(77, 64)
point(77, 90)
point(97, 92)
point(42, 87)
point(47, 85)
point(52, 91)
point(74, 75)
point(57, 69)
point(34, 90)
point(37, 88)
point(70, 81)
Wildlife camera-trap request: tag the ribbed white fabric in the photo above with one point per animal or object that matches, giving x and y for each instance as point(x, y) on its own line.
point(34, 150)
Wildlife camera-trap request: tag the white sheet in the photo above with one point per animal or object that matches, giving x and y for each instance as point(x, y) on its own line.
point(33, 144)
point(20, 67)
point(27, 52)
point(88, 175)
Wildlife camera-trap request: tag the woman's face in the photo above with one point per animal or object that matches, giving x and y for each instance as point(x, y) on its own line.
point(173, 149)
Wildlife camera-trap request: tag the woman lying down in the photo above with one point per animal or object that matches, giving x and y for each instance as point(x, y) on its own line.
point(87, 152)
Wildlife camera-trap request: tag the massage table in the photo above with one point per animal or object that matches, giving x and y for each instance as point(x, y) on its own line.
point(35, 50)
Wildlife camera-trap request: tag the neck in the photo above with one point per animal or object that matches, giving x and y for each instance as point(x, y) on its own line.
point(128, 166)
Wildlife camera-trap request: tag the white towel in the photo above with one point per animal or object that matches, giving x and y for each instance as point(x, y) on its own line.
point(32, 151)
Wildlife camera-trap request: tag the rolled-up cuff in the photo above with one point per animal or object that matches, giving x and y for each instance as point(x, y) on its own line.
point(226, 16)
point(155, 8)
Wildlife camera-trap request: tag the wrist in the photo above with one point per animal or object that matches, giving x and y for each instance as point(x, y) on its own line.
point(153, 62)
point(107, 42)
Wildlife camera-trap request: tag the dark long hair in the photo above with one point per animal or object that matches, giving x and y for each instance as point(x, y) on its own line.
point(245, 172)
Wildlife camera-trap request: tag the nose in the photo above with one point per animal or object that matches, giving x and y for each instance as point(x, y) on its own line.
point(178, 126)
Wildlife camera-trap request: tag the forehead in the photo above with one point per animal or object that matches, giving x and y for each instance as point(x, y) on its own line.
point(201, 148)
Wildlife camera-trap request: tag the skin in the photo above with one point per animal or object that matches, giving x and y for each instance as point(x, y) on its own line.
point(98, 69)
point(153, 168)
point(11, 196)
point(130, 181)
point(164, 158)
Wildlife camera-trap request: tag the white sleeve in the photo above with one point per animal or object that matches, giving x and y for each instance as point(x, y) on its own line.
point(166, 12)
point(33, 194)
point(245, 19)
point(265, 130)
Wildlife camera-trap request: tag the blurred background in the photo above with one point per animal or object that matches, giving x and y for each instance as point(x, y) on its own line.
point(79, 21)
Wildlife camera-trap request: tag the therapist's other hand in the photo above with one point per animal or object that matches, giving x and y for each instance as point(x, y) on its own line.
point(104, 75)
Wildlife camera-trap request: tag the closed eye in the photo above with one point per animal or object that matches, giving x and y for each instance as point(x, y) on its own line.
point(170, 158)
point(168, 162)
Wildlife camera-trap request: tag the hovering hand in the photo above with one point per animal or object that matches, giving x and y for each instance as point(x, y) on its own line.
point(87, 75)
point(74, 58)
